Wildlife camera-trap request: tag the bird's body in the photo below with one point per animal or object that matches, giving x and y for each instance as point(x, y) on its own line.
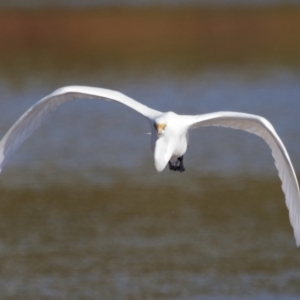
point(170, 142)
point(169, 136)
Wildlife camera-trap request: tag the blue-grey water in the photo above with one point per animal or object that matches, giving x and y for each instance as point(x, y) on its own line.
point(96, 134)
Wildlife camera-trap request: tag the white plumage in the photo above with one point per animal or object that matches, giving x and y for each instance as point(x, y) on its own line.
point(169, 136)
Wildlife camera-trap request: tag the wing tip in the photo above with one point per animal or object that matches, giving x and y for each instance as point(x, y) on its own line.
point(296, 227)
point(297, 237)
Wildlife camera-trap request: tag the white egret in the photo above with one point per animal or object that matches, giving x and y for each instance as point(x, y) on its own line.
point(169, 136)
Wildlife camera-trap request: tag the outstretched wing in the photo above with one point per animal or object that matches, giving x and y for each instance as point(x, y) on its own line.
point(264, 129)
point(34, 116)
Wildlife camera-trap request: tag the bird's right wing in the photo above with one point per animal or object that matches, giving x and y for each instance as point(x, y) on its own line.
point(35, 115)
point(264, 129)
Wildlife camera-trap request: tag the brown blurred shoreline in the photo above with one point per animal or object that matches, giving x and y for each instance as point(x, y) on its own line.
point(184, 37)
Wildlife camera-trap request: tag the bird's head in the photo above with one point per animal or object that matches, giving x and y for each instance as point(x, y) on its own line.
point(167, 124)
point(160, 127)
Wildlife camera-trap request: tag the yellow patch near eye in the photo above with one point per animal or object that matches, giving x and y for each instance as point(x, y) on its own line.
point(160, 126)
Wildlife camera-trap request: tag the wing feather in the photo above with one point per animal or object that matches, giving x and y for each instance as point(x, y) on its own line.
point(35, 115)
point(264, 129)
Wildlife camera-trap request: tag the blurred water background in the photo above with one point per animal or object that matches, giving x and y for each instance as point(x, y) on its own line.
point(83, 213)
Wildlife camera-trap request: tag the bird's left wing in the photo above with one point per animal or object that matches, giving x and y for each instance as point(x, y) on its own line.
point(34, 116)
point(264, 129)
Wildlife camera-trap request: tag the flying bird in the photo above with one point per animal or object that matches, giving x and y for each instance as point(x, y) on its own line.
point(169, 135)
